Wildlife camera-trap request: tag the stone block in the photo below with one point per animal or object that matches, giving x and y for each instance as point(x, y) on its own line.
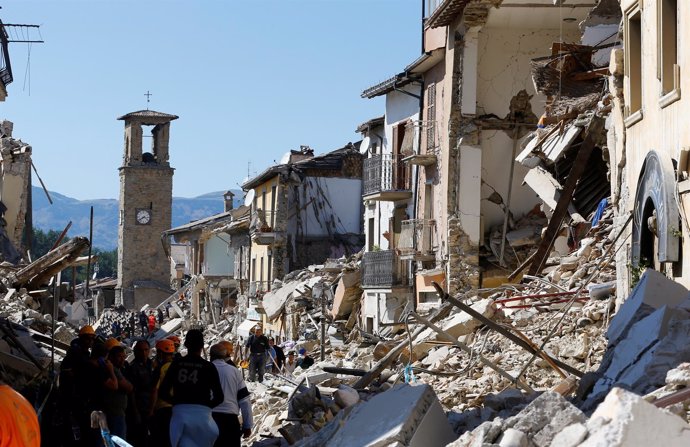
point(346, 294)
point(652, 292)
point(404, 415)
point(546, 416)
point(569, 263)
point(625, 419)
point(345, 396)
point(571, 436)
point(513, 438)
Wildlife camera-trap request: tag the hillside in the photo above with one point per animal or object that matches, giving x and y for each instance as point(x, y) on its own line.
point(105, 213)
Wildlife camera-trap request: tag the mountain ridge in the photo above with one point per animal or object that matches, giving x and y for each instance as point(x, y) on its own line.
point(64, 208)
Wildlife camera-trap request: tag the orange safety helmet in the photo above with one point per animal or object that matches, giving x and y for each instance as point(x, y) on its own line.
point(175, 339)
point(111, 343)
point(166, 345)
point(228, 346)
point(87, 330)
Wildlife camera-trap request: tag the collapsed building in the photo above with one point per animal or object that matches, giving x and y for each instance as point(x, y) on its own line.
point(307, 207)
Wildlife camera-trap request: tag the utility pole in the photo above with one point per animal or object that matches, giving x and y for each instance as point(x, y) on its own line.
point(318, 292)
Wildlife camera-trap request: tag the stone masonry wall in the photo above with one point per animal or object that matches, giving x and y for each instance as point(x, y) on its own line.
point(140, 255)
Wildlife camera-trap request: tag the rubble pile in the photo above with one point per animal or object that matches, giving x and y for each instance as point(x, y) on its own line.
point(624, 418)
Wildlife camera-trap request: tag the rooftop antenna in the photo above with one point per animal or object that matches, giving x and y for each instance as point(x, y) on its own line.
point(148, 98)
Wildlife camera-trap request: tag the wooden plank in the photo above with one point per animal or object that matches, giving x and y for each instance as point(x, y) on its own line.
point(393, 353)
point(591, 74)
point(595, 127)
point(503, 330)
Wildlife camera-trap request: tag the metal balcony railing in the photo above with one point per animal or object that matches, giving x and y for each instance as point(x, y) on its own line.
point(417, 237)
point(385, 173)
point(382, 269)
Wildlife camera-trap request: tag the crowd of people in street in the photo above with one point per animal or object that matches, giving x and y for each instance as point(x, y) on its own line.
point(167, 400)
point(266, 356)
point(162, 400)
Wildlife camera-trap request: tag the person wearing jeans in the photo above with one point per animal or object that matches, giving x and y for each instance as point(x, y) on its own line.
point(258, 346)
point(193, 387)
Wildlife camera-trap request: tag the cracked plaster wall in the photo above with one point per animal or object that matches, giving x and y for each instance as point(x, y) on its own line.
point(504, 70)
point(662, 128)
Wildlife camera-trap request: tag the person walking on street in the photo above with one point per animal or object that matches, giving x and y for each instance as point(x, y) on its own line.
point(236, 400)
point(160, 317)
point(258, 345)
point(193, 387)
point(143, 323)
point(152, 323)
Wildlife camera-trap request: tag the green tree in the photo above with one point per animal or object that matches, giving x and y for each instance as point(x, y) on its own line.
point(43, 241)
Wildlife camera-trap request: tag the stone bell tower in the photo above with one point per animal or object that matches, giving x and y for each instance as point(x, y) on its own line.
point(143, 268)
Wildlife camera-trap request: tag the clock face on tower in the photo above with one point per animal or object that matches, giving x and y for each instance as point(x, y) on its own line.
point(143, 216)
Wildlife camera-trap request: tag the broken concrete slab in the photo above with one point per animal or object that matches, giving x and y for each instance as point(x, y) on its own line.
point(455, 325)
point(414, 417)
point(625, 419)
point(346, 396)
point(274, 301)
point(571, 436)
point(347, 293)
point(546, 416)
point(653, 291)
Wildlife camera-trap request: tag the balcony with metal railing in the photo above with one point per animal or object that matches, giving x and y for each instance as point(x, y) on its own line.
point(417, 239)
point(383, 269)
point(386, 178)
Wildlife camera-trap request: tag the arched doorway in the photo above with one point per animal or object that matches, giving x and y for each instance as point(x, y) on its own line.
point(656, 221)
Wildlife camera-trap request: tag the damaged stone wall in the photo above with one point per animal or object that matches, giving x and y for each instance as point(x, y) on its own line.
point(16, 183)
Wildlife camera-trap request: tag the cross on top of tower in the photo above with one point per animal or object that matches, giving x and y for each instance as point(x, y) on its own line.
point(148, 98)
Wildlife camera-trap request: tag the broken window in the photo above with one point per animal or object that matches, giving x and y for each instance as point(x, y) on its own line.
point(633, 60)
point(667, 60)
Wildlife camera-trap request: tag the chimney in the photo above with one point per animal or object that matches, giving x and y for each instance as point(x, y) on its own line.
point(304, 153)
point(228, 198)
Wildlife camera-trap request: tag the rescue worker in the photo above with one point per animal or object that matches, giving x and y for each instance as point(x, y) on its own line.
point(152, 322)
point(160, 410)
point(193, 387)
point(18, 421)
point(177, 342)
point(115, 400)
point(97, 378)
point(71, 407)
point(140, 375)
point(236, 400)
point(258, 346)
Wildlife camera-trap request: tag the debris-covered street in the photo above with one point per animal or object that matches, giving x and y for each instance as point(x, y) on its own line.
point(497, 258)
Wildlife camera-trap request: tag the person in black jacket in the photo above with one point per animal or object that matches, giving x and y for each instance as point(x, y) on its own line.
point(193, 387)
point(258, 350)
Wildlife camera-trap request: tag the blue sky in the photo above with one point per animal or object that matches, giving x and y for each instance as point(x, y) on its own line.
point(249, 79)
